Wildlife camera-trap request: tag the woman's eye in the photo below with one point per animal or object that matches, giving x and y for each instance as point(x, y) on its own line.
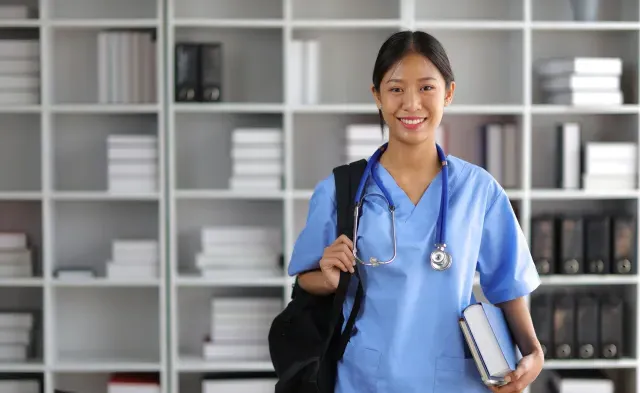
point(427, 87)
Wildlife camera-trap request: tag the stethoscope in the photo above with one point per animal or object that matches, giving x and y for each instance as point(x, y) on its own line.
point(440, 259)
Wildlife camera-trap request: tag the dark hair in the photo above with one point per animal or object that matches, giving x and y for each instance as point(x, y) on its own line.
point(402, 43)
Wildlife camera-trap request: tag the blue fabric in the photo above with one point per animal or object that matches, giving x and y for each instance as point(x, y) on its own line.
point(408, 338)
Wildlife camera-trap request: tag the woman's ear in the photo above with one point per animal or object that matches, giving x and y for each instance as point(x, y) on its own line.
point(376, 96)
point(448, 95)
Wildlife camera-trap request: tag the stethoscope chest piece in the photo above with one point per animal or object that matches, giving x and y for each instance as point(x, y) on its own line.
point(440, 259)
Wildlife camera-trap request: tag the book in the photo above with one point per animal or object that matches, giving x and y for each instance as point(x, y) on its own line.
point(490, 342)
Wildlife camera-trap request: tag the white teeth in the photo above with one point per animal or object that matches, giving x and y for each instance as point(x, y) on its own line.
point(406, 121)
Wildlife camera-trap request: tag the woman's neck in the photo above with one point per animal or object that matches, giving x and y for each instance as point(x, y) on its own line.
point(411, 159)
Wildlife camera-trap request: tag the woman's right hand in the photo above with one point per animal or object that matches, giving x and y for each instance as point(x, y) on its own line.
point(336, 258)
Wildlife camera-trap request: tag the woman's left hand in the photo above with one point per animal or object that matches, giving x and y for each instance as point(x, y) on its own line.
point(526, 372)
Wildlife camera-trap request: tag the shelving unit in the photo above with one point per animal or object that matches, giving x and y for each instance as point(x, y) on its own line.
point(53, 185)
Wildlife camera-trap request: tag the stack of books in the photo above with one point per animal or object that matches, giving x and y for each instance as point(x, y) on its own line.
point(134, 259)
point(361, 140)
point(16, 12)
point(240, 328)
point(240, 252)
point(126, 67)
point(19, 71)
point(610, 166)
point(15, 255)
point(247, 382)
point(133, 383)
point(581, 80)
point(16, 333)
point(257, 159)
point(304, 72)
point(132, 163)
point(24, 383)
point(500, 154)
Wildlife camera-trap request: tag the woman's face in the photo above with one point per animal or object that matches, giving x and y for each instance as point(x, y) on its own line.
point(412, 98)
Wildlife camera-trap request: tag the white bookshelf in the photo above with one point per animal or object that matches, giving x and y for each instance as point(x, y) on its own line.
point(53, 182)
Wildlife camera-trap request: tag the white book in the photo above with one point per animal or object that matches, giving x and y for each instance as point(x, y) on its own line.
point(296, 72)
point(127, 271)
point(257, 167)
point(366, 133)
point(122, 247)
point(15, 336)
point(587, 98)
point(19, 82)
point(361, 150)
point(249, 385)
point(13, 320)
point(8, 11)
point(103, 67)
point(132, 184)
point(138, 169)
point(236, 352)
point(612, 166)
point(493, 150)
point(243, 182)
point(256, 135)
point(16, 270)
point(233, 273)
point(20, 386)
point(241, 234)
point(577, 82)
point(606, 150)
point(15, 255)
point(114, 66)
point(124, 82)
point(19, 97)
point(205, 261)
point(245, 305)
point(239, 333)
point(132, 141)
point(22, 67)
point(127, 153)
point(312, 71)
point(234, 250)
point(13, 352)
point(569, 139)
point(19, 48)
point(580, 65)
point(75, 274)
point(609, 182)
point(274, 152)
point(13, 240)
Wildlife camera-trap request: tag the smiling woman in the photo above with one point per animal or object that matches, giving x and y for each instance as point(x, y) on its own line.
point(426, 223)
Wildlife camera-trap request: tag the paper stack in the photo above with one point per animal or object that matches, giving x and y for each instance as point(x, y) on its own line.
point(581, 80)
point(134, 383)
point(134, 259)
point(304, 72)
point(243, 384)
point(610, 166)
point(240, 252)
point(363, 139)
point(26, 384)
point(133, 163)
point(257, 159)
point(240, 328)
point(19, 71)
point(15, 256)
point(16, 332)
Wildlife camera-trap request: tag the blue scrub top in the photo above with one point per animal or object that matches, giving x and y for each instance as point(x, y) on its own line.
point(408, 338)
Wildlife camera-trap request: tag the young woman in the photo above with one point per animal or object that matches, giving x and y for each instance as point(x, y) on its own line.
point(407, 336)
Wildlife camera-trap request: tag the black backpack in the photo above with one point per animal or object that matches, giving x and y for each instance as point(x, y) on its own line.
point(306, 339)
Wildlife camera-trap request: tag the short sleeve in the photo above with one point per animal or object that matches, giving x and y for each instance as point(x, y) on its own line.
point(505, 264)
point(319, 230)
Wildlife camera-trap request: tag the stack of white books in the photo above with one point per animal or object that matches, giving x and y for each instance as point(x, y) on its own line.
point(304, 72)
point(241, 384)
point(581, 80)
point(16, 260)
point(126, 67)
point(257, 158)
point(240, 328)
point(610, 166)
point(16, 11)
point(132, 163)
point(20, 385)
point(16, 332)
point(133, 383)
point(361, 140)
point(19, 71)
point(133, 259)
point(240, 252)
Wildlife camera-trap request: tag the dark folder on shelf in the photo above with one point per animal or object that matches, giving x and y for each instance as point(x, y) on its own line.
point(624, 243)
point(587, 318)
point(186, 72)
point(570, 242)
point(543, 244)
point(210, 72)
point(611, 326)
point(598, 245)
point(542, 317)
point(564, 326)
point(490, 342)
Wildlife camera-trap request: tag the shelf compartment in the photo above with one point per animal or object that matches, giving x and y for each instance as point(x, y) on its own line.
point(203, 146)
point(26, 335)
point(25, 218)
point(195, 324)
point(194, 215)
point(80, 147)
point(337, 9)
point(596, 128)
point(20, 153)
point(21, 83)
point(227, 9)
point(84, 232)
point(78, 68)
point(107, 328)
point(195, 382)
point(608, 11)
point(115, 9)
point(252, 62)
point(570, 44)
point(89, 381)
point(506, 10)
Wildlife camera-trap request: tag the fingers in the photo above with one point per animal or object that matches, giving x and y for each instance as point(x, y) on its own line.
point(343, 256)
point(344, 239)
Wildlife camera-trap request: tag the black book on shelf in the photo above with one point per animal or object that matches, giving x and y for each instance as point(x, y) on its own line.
point(612, 318)
point(186, 73)
point(587, 332)
point(623, 242)
point(570, 242)
point(210, 78)
point(597, 245)
point(543, 244)
point(564, 323)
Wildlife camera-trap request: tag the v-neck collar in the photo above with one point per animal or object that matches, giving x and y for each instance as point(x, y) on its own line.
point(405, 208)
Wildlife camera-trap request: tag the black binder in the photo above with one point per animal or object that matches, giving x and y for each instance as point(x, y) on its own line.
point(598, 245)
point(210, 72)
point(570, 231)
point(624, 243)
point(186, 72)
point(564, 326)
point(587, 318)
point(543, 248)
point(611, 326)
point(541, 309)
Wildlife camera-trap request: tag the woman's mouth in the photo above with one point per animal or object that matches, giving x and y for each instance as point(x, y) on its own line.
point(412, 122)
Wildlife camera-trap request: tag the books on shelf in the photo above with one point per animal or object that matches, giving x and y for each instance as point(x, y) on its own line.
point(133, 259)
point(304, 72)
point(248, 382)
point(240, 328)
point(133, 383)
point(132, 163)
point(257, 158)
point(16, 257)
point(361, 140)
point(581, 80)
point(15, 12)
point(19, 71)
point(126, 67)
point(198, 72)
point(240, 252)
point(594, 165)
point(500, 152)
point(16, 335)
point(22, 384)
